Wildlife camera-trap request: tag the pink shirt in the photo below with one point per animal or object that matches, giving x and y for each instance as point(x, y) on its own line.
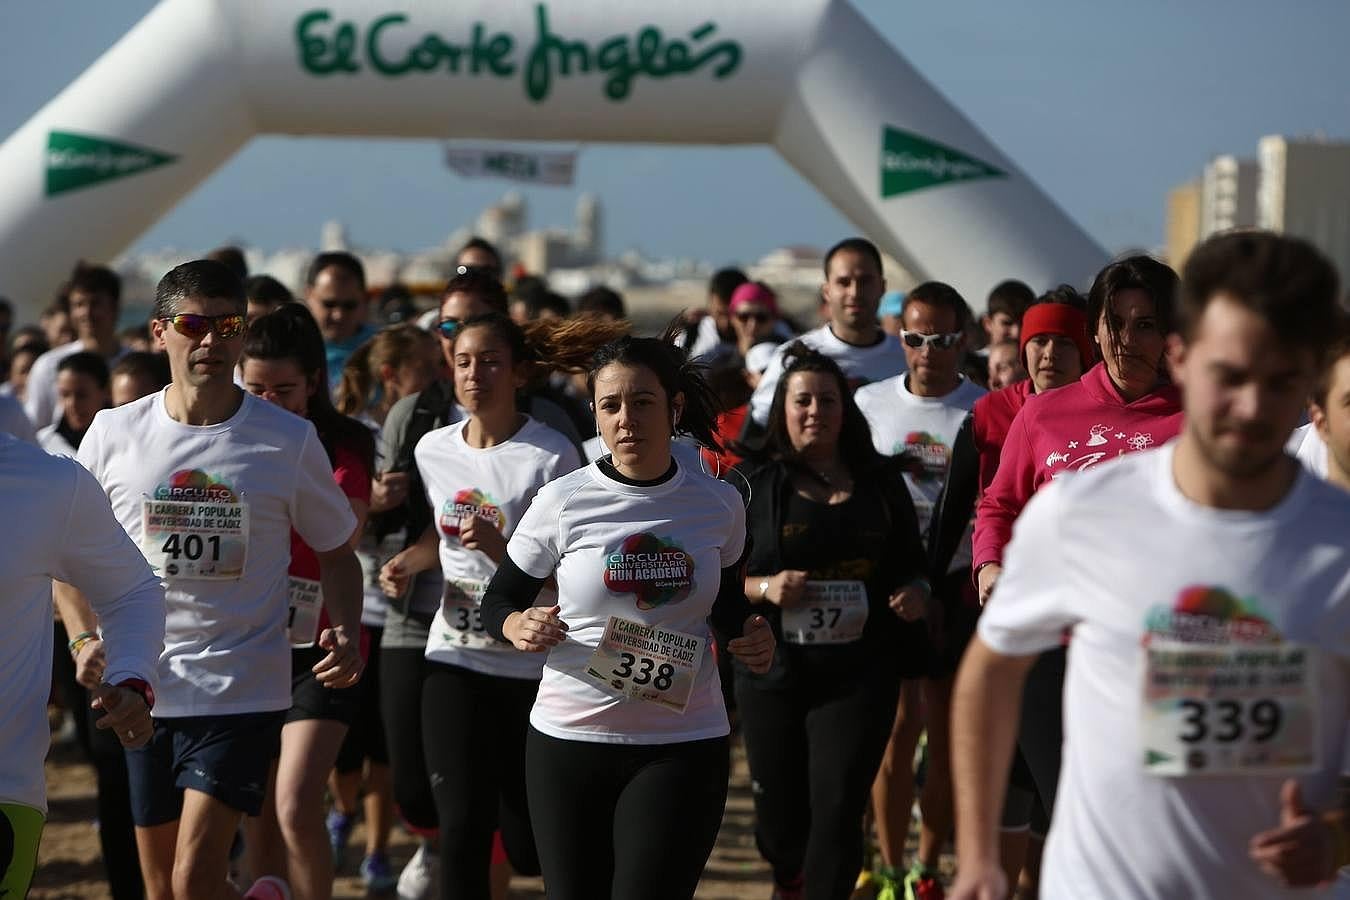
point(1067, 430)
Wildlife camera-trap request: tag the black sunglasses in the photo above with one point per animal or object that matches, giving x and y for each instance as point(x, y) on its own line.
point(448, 326)
point(753, 316)
point(344, 305)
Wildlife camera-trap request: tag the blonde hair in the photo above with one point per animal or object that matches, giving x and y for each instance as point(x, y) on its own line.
point(361, 375)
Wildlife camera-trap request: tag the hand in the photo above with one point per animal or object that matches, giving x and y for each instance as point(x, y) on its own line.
point(535, 630)
point(911, 602)
point(1301, 852)
point(979, 882)
point(481, 535)
point(342, 667)
point(787, 588)
point(388, 491)
point(125, 712)
point(986, 579)
point(90, 664)
point(395, 577)
point(755, 646)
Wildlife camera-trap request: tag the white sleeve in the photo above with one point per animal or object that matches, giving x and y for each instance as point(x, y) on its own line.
point(90, 454)
point(98, 557)
point(761, 401)
point(568, 460)
point(40, 395)
point(734, 547)
point(535, 545)
point(1031, 606)
point(320, 513)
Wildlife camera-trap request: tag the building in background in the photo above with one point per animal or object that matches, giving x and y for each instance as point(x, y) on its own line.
point(1183, 222)
point(1305, 192)
point(1228, 195)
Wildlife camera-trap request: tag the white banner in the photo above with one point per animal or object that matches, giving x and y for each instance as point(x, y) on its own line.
point(534, 167)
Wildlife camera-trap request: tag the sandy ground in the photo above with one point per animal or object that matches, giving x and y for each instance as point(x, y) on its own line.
point(69, 866)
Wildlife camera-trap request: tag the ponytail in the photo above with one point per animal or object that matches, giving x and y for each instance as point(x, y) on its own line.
point(676, 372)
point(356, 383)
point(546, 345)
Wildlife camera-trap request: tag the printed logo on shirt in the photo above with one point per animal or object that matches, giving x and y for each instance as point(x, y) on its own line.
point(1211, 615)
point(470, 502)
point(927, 455)
point(1076, 457)
point(656, 570)
point(194, 485)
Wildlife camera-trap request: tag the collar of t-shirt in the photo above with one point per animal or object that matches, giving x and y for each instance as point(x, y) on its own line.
point(908, 396)
point(1286, 512)
point(881, 337)
point(606, 465)
point(1099, 386)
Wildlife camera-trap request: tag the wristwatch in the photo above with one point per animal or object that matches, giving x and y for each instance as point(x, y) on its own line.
point(764, 590)
point(141, 687)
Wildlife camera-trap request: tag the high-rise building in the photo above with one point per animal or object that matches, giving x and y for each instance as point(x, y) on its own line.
point(1183, 221)
point(1305, 192)
point(1228, 195)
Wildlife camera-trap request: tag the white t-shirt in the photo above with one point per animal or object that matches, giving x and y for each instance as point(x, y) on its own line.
point(926, 428)
point(1307, 445)
point(13, 420)
point(220, 502)
point(54, 442)
point(57, 524)
point(1137, 570)
point(40, 400)
point(861, 365)
point(496, 484)
point(652, 556)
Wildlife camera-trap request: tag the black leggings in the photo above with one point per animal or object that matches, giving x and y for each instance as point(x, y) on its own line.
point(1041, 733)
point(625, 820)
point(473, 729)
point(814, 748)
point(402, 673)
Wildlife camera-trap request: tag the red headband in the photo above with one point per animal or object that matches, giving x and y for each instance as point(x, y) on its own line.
point(751, 292)
point(1057, 318)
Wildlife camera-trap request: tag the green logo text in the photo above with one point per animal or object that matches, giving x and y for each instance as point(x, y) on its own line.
point(911, 163)
point(77, 161)
point(329, 48)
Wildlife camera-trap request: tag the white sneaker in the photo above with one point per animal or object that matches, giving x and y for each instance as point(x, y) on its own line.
point(420, 877)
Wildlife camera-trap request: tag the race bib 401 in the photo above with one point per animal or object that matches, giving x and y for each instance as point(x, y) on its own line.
point(203, 540)
point(1229, 709)
point(647, 662)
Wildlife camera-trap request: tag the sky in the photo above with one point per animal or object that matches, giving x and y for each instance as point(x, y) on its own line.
point(1105, 105)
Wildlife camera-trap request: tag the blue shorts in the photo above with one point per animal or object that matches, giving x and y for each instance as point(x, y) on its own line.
point(225, 757)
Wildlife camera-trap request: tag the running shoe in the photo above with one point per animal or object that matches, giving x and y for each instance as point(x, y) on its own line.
point(794, 891)
point(888, 883)
point(923, 884)
point(339, 831)
point(419, 877)
point(268, 887)
point(377, 874)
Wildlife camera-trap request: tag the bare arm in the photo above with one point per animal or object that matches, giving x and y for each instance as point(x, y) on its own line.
point(341, 580)
point(986, 706)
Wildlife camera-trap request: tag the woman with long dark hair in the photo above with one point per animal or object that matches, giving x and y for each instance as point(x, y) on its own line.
point(481, 476)
point(627, 755)
point(837, 566)
point(284, 362)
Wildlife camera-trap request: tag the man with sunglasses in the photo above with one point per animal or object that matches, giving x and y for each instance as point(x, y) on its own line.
point(917, 416)
point(209, 481)
point(335, 292)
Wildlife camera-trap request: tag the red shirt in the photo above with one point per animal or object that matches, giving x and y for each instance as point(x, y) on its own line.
point(993, 416)
point(353, 477)
point(1067, 430)
point(727, 429)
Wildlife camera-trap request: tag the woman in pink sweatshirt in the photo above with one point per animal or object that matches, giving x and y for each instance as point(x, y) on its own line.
point(1123, 404)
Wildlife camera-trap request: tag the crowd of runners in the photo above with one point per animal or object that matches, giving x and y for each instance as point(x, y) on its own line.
point(1065, 585)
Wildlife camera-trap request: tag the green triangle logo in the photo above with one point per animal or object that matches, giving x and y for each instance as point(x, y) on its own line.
point(1153, 758)
point(912, 163)
point(77, 161)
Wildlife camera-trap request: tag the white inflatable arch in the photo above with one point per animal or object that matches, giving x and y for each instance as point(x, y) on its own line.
point(196, 79)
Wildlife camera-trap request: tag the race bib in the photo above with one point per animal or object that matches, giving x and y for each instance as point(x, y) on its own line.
point(833, 612)
point(647, 662)
point(202, 540)
point(1229, 709)
point(461, 622)
point(306, 599)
